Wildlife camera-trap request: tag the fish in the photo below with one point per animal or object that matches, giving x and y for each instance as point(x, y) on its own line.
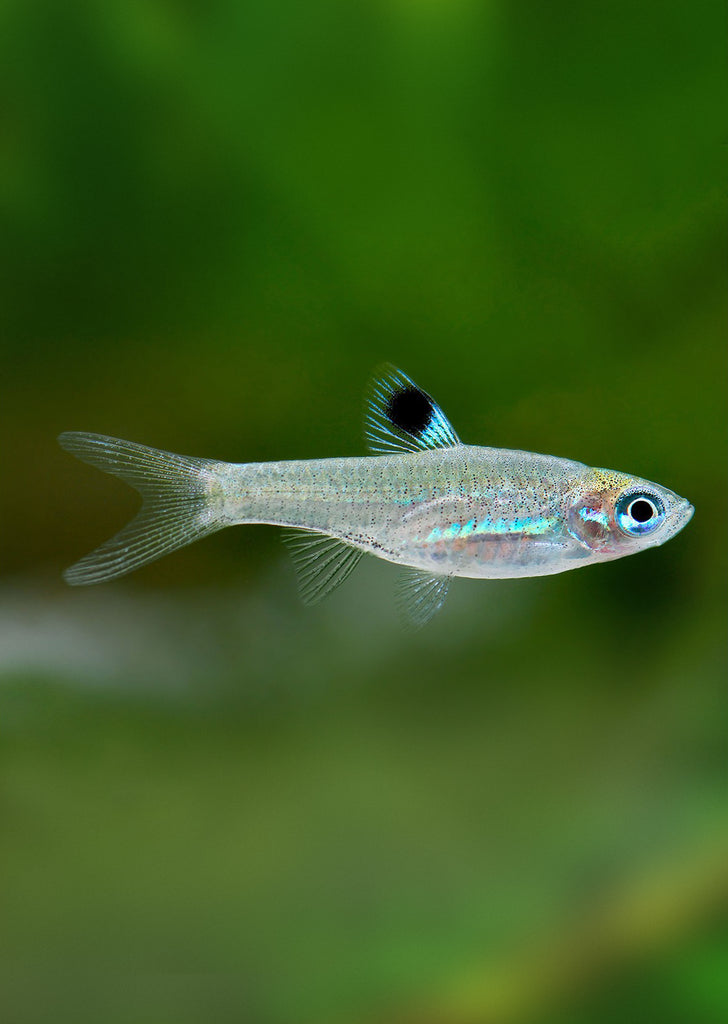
point(421, 499)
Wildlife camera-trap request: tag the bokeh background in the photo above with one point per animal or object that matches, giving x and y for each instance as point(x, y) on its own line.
point(216, 804)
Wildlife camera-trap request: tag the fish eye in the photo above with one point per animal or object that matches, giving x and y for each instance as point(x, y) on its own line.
point(638, 514)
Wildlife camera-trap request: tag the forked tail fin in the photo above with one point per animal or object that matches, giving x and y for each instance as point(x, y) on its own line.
point(179, 504)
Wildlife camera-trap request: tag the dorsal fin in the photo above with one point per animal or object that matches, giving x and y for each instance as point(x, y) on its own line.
point(400, 417)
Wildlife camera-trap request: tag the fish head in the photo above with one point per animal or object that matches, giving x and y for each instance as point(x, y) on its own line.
point(614, 514)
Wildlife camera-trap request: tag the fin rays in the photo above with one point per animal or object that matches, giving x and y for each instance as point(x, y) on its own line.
point(400, 417)
point(322, 563)
point(420, 595)
point(176, 510)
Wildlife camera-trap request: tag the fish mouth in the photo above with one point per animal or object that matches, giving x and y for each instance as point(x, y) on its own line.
point(688, 511)
point(680, 515)
point(685, 513)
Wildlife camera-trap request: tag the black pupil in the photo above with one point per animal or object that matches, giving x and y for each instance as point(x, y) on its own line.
point(410, 410)
point(641, 511)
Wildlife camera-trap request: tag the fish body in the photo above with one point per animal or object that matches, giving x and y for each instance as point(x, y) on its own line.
point(485, 513)
point(424, 501)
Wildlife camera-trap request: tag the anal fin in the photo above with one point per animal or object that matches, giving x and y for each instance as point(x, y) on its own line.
point(322, 562)
point(420, 594)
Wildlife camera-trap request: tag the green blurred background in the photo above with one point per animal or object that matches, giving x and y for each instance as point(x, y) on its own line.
point(216, 804)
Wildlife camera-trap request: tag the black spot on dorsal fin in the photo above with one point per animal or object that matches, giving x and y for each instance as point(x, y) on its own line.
point(400, 417)
point(410, 409)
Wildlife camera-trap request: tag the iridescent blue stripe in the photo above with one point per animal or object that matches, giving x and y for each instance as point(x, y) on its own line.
point(530, 525)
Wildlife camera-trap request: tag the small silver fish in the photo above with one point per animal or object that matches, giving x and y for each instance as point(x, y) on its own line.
point(424, 500)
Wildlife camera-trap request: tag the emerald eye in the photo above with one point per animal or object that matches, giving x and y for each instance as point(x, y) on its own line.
point(638, 514)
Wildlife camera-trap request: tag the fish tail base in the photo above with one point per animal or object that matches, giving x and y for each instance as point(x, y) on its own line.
point(182, 502)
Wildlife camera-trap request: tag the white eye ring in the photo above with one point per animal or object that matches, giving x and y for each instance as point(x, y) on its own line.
point(638, 514)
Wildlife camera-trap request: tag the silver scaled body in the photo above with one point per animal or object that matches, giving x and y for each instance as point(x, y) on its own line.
point(460, 511)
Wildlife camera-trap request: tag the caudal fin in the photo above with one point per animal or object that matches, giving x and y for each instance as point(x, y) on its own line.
point(179, 505)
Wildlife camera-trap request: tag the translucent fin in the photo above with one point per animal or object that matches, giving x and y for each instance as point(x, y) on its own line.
point(322, 562)
point(400, 417)
point(177, 507)
point(420, 595)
